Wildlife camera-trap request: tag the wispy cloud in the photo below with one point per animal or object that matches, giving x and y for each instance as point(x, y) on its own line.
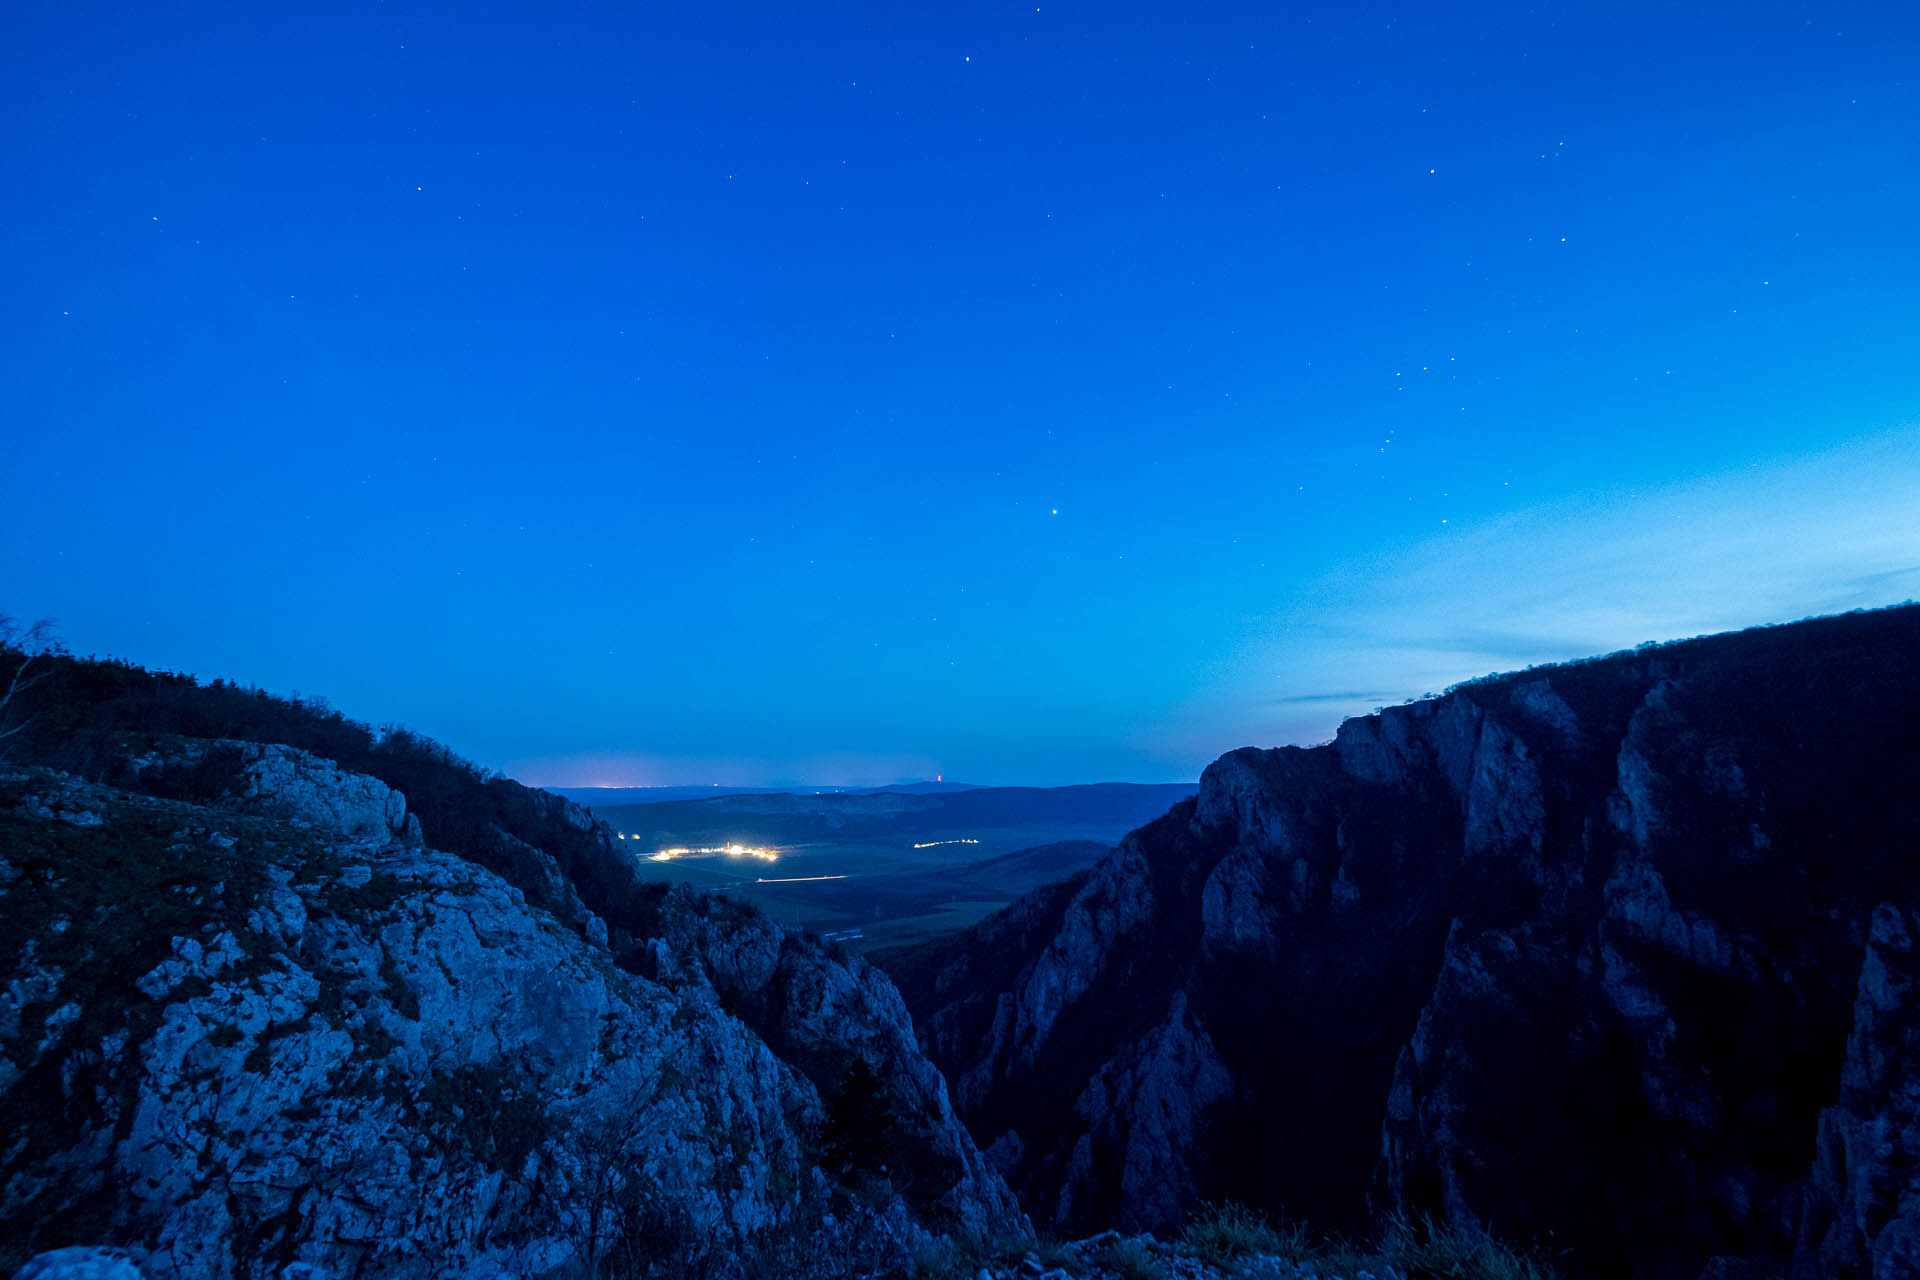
point(1876, 581)
point(1825, 534)
point(1343, 696)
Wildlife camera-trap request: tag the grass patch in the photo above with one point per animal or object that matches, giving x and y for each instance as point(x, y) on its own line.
point(1223, 1233)
point(198, 773)
point(94, 908)
point(1057, 1254)
point(486, 1111)
point(370, 901)
point(962, 1257)
point(146, 875)
point(1130, 1260)
point(1413, 1248)
point(100, 906)
point(1423, 1249)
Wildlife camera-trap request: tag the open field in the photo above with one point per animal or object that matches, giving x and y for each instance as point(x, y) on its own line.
point(891, 868)
point(892, 901)
point(907, 930)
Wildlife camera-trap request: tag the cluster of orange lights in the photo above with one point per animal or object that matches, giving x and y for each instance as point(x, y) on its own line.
point(707, 851)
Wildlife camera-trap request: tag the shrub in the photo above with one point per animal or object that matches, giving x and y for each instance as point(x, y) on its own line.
point(954, 1258)
point(1423, 1249)
point(206, 776)
point(859, 1118)
point(1131, 1260)
point(964, 1257)
point(1056, 1255)
point(1220, 1233)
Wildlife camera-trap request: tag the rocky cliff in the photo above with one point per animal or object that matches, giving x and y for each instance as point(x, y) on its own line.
point(253, 1023)
point(1616, 957)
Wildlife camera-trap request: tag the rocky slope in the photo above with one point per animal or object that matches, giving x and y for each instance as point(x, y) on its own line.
point(252, 1023)
point(1617, 956)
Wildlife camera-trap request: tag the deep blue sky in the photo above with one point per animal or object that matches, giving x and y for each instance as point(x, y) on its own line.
point(636, 394)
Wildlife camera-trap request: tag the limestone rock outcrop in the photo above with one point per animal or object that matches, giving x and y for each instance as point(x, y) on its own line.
point(270, 1031)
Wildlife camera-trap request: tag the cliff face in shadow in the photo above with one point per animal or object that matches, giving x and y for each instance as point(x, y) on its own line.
point(1616, 956)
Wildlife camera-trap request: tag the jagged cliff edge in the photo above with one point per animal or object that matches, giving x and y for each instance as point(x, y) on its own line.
point(1615, 957)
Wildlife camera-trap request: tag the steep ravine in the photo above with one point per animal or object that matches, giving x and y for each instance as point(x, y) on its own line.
point(1615, 957)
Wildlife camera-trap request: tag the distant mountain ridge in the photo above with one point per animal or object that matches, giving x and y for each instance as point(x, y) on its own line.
point(1098, 810)
point(603, 797)
point(1620, 956)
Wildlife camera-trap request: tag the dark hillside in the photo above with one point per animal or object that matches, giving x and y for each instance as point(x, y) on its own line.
point(1592, 953)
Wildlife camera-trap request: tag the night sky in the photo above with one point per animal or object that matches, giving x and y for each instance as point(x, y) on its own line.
point(644, 394)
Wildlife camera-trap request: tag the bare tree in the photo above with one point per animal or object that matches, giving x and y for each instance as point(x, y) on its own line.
point(21, 649)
